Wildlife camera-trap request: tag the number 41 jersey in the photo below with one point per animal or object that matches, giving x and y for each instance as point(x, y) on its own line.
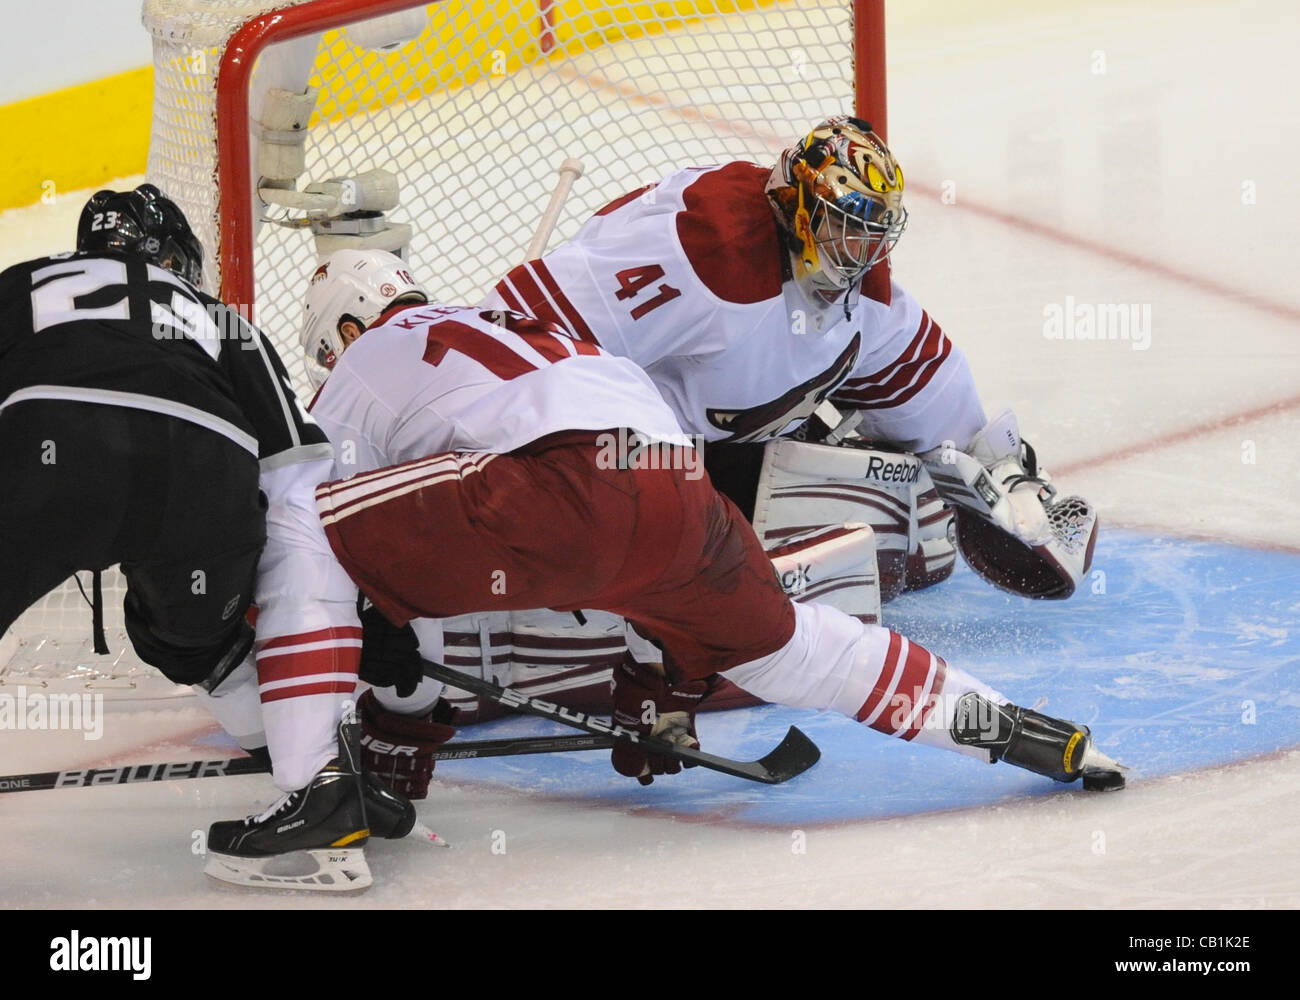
point(690, 279)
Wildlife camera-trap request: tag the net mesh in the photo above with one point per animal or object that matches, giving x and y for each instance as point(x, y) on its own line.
point(474, 116)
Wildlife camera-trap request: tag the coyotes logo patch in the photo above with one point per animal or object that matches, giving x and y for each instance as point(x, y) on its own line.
point(768, 419)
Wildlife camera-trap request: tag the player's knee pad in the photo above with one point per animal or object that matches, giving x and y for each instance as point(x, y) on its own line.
point(802, 485)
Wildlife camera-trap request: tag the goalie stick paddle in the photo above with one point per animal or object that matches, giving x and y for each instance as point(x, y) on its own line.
point(129, 774)
point(791, 757)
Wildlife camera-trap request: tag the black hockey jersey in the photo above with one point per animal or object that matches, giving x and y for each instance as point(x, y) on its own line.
point(115, 330)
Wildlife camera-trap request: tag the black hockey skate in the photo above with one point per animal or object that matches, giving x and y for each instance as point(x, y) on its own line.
point(1050, 747)
point(313, 837)
point(389, 813)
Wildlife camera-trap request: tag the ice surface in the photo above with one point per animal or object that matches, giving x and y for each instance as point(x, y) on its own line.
point(1167, 182)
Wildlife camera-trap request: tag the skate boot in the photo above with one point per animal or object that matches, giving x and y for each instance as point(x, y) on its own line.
point(390, 813)
point(312, 838)
point(1050, 747)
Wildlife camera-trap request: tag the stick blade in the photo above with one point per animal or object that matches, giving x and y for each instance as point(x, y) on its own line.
point(791, 757)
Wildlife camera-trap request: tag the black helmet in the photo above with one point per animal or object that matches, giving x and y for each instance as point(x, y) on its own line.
point(144, 223)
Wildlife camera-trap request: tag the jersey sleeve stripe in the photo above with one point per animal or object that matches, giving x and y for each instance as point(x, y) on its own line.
point(530, 299)
point(905, 380)
point(536, 301)
point(923, 378)
point(886, 379)
point(509, 295)
point(576, 322)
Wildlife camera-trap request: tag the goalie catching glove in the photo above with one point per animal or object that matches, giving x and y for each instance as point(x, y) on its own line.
point(1012, 528)
point(646, 701)
point(398, 749)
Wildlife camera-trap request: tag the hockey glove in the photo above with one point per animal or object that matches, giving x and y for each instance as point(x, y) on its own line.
point(390, 656)
point(644, 700)
point(398, 749)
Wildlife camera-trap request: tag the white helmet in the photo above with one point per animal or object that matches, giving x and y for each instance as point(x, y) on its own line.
point(356, 285)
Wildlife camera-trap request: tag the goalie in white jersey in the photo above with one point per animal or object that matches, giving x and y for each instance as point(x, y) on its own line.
point(506, 497)
point(752, 294)
point(755, 296)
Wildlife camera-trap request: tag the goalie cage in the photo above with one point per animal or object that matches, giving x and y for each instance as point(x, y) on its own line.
point(473, 117)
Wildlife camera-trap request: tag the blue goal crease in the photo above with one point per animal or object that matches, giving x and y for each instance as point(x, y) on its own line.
point(1178, 654)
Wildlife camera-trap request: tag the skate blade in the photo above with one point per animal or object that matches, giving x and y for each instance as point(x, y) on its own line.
point(1101, 773)
point(322, 870)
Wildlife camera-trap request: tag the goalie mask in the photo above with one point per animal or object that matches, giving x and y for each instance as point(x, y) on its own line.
point(141, 223)
point(355, 286)
point(838, 196)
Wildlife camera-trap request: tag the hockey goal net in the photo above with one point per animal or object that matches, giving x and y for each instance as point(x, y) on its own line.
point(472, 105)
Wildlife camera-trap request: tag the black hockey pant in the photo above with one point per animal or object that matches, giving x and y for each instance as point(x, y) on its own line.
point(87, 485)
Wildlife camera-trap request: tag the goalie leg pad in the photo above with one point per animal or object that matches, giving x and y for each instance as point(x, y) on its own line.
point(550, 654)
point(835, 565)
point(933, 552)
point(802, 486)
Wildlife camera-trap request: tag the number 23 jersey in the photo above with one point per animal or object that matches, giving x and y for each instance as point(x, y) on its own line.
point(690, 279)
point(112, 330)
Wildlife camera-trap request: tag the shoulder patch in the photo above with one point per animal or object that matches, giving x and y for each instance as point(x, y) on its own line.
point(729, 234)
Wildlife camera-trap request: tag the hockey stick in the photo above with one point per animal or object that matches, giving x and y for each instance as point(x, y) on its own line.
point(570, 171)
point(792, 756)
point(129, 774)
